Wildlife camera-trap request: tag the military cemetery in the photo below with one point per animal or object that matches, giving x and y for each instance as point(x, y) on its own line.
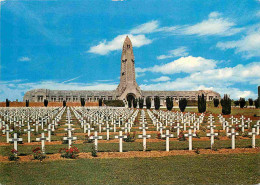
point(131, 134)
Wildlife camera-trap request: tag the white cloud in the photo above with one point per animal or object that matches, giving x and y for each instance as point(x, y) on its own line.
point(151, 27)
point(214, 25)
point(179, 52)
point(148, 27)
point(161, 79)
point(24, 59)
point(105, 47)
point(248, 46)
point(188, 64)
point(222, 80)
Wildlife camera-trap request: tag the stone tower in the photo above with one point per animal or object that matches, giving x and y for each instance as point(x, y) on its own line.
point(128, 87)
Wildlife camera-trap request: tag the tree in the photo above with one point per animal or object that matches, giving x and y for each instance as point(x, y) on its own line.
point(141, 103)
point(7, 103)
point(100, 102)
point(82, 101)
point(27, 103)
point(257, 103)
point(135, 102)
point(156, 102)
point(242, 102)
point(148, 102)
point(129, 101)
point(250, 102)
point(236, 103)
point(64, 103)
point(169, 103)
point(216, 102)
point(45, 102)
point(182, 104)
point(226, 107)
point(201, 103)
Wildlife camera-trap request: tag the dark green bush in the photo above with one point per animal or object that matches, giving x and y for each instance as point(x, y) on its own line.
point(169, 103)
point(114, 103)
point(226, 107)
point(141, 103)
point(157, 102)
point(182, 104)
point(148, 102)
point(201, 103)
point(242, 102)
point(216, 102)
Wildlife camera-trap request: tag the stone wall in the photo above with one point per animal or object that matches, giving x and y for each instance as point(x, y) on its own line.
point(50, 104)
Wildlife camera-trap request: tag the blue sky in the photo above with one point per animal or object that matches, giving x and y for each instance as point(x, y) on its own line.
point(178, 45)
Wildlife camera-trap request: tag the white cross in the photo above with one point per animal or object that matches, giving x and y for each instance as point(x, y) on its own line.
point(233, 135)
point(212, 135)
point(42, 139)
point(144, 136)
point(190, 135)
point(29, 130)
point(95, 137)
point(120, 137)
point(15, 140)
point(257, 125)
point(49, 132)
point(167, 136)
point(107, 128)
point(253, 133)
point(178, 128)
point(88, 129)
point(7, 131)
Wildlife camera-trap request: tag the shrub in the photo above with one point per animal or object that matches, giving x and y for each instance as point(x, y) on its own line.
point(64, 103)
point(148, 102)
point(129, 101)
point(135, 102)
point(197, 151)
point(130, 138)
point(14, 155)
point(257, 103)
point(82, 102)
point(181, 136)
point(226, 107)
point(201, 103)
point(159, 135)
point(100, 102)
point(236, 103)
point(88, 140)
point(114, 103)
point(38, 154)
point(214, 147)
point(242, 102)
point(45, 102)
point(7, 103)
point(182, 104)
point(93, 151)
point(169, 103)
point(250, 102)
point(141, 103)
point(71, 153)
point(157, 103)
point(26, 103)
point(216, 102)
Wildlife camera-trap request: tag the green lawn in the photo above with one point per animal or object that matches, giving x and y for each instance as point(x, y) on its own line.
point(198, 169)
point(135, 146)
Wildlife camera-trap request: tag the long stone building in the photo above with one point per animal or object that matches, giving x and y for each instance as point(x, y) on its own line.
point(127, 88)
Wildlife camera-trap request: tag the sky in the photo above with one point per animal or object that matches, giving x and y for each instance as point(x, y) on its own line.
point(178, 45)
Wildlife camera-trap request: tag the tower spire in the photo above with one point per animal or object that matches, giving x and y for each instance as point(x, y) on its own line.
point(128, 83)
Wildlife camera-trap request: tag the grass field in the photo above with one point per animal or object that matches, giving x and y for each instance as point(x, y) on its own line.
point(198, 169)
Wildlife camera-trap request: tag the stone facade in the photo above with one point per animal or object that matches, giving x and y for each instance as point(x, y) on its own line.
point(127, 87)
